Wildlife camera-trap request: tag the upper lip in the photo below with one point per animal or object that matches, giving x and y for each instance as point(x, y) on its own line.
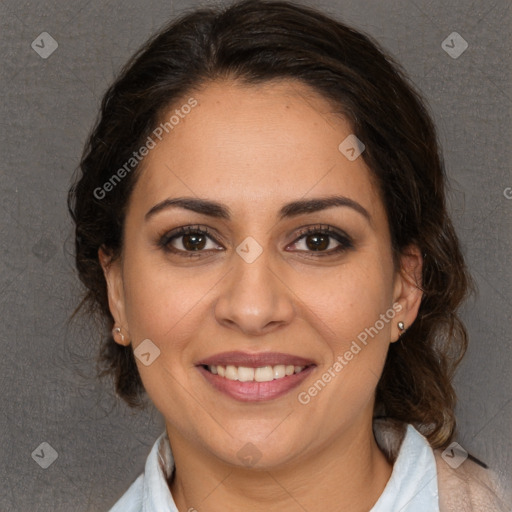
point(254, 360)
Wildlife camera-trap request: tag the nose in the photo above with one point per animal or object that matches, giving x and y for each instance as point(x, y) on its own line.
point(255, 298)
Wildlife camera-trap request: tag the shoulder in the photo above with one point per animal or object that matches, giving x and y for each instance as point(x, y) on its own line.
point(469, 487)
point(131, 500)
point(466, 488)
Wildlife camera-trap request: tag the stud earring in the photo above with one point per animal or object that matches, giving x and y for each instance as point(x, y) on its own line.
point(401, 326)
point(117, 332)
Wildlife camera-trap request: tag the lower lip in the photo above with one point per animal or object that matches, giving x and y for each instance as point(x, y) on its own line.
point(256, 391)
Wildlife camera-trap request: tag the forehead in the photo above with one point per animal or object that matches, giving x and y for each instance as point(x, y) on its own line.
point(261, 144)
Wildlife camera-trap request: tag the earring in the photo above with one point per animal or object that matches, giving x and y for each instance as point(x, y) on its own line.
point(401, 326)
point(117, 332)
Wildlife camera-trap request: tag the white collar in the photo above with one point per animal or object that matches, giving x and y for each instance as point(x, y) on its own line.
point(411, 488)
point(159, 467)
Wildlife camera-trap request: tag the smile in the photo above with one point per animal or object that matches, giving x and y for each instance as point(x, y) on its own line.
point(261, 374)
point(246, 384)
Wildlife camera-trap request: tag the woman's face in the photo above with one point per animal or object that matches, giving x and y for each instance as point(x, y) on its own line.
point(257, 291)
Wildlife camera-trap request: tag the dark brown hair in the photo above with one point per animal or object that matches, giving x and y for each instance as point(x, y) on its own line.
point(257, 41)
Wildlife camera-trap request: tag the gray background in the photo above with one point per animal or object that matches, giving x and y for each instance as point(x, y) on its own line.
point(49, 393)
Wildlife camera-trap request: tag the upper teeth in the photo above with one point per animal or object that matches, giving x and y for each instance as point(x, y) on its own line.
point(262, 374)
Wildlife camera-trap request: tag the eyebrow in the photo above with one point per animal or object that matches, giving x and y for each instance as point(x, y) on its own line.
point(289, 210)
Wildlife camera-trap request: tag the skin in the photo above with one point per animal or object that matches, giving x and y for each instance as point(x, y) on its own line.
point(255, 148)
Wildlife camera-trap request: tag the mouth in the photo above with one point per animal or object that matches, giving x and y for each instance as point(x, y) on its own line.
point(250, 377)
point(260, 374)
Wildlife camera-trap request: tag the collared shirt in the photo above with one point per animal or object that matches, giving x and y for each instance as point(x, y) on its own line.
point(412, 486)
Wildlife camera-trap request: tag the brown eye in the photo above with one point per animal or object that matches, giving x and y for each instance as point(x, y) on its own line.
point(318, 239)
point(193, 242)
point(317, 242)
point(188, 240)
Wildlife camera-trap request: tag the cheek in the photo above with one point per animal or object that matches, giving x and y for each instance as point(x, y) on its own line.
point(356, 326)
point(352, 311)
point(159, 299)
point(165, 309)
point(349, 299)
point(167, 304)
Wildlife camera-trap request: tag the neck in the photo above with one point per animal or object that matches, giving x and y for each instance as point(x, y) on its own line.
point(348, 473)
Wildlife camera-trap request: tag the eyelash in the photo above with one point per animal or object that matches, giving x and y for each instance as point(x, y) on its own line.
point(344, 240)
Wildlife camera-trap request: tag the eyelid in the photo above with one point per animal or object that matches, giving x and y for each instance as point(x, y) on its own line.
point(320, 228)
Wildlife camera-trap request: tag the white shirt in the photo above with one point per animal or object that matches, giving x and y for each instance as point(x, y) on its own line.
point(411, 488)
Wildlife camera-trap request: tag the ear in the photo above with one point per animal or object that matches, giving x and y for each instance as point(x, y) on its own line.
point(114, 278)
point(407, 289)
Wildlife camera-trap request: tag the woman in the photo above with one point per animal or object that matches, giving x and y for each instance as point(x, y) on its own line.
point(261, 221)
